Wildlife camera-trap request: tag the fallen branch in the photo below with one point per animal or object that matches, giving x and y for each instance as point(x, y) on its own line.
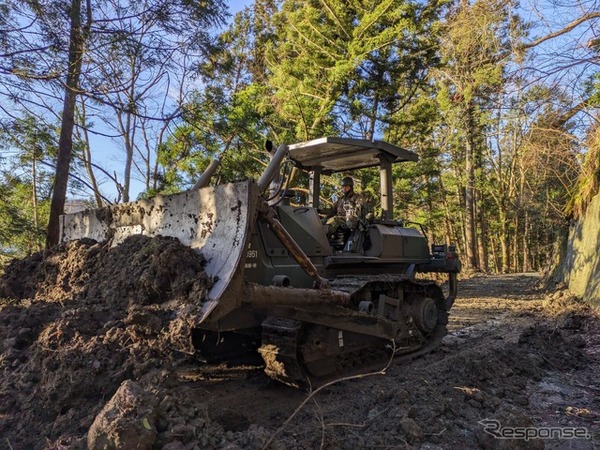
point(313, 393)
point(593, 388)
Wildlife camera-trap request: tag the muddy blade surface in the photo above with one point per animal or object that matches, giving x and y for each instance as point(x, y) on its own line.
point(208, 220)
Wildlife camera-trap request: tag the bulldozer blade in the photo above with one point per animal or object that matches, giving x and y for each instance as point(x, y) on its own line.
point(216, 221)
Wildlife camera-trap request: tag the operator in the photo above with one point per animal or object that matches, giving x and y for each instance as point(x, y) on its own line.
point(344, 213)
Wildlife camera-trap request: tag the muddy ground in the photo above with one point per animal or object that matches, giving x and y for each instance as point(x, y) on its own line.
point(95, 353)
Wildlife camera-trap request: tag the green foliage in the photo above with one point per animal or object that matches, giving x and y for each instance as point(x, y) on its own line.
point(305, 71)
point(25, 185)
point(348, 67)
point(434, 77)
point(593, 87)
point(588, 184)
point(30, 137)
point(19, 234)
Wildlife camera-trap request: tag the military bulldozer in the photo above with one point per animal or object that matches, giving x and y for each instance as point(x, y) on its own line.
point(314, 310)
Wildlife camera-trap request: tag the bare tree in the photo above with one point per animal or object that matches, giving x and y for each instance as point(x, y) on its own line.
point(52, 52)
point(77, 39)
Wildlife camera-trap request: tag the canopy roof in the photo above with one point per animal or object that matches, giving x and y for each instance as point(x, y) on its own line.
point(334, 154)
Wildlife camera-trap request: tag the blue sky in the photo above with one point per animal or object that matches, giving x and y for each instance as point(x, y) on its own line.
point(108, 152)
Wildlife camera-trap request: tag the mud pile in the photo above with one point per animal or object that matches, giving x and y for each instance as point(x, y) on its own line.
point(95, 353)
point(79, 320)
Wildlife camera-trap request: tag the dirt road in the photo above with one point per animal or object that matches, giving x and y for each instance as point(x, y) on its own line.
point(525, 361)
point(83, 369)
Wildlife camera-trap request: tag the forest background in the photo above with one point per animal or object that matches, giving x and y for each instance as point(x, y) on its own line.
point(110, 100)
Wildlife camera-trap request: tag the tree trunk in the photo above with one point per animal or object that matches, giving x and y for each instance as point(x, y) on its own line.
point(34, 245)
point(526, 265)
point(129, 133)
point(495, 255)
point(515, 237)
point(460, 194)
point(128, 158)
point(65, 142)
point(504, 240)
point(87, 162)
point(34, 202)
point(482, 241)
point(470, 203)
point(449, 231)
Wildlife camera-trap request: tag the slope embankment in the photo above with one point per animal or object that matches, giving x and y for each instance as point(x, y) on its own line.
point(580, 266)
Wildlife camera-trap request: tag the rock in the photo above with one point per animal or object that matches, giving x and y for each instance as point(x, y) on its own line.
point(174, 445)
point(412, 430)
point(430, 446)
point(126, 421)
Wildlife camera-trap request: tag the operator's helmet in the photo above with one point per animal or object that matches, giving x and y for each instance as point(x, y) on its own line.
point(348, 181)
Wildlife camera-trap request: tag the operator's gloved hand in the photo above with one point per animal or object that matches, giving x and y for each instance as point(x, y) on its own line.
point(335, 221)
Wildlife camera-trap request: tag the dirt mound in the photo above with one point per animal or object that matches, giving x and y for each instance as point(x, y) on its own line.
point(141, 270)
point(82, 318)
point(95, 353)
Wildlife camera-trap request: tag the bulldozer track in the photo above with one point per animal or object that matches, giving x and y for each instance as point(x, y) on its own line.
point(283, 338)
point(280, 350)
point(434, 342)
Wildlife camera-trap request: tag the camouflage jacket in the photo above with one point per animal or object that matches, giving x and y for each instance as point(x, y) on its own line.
point(350, 201)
